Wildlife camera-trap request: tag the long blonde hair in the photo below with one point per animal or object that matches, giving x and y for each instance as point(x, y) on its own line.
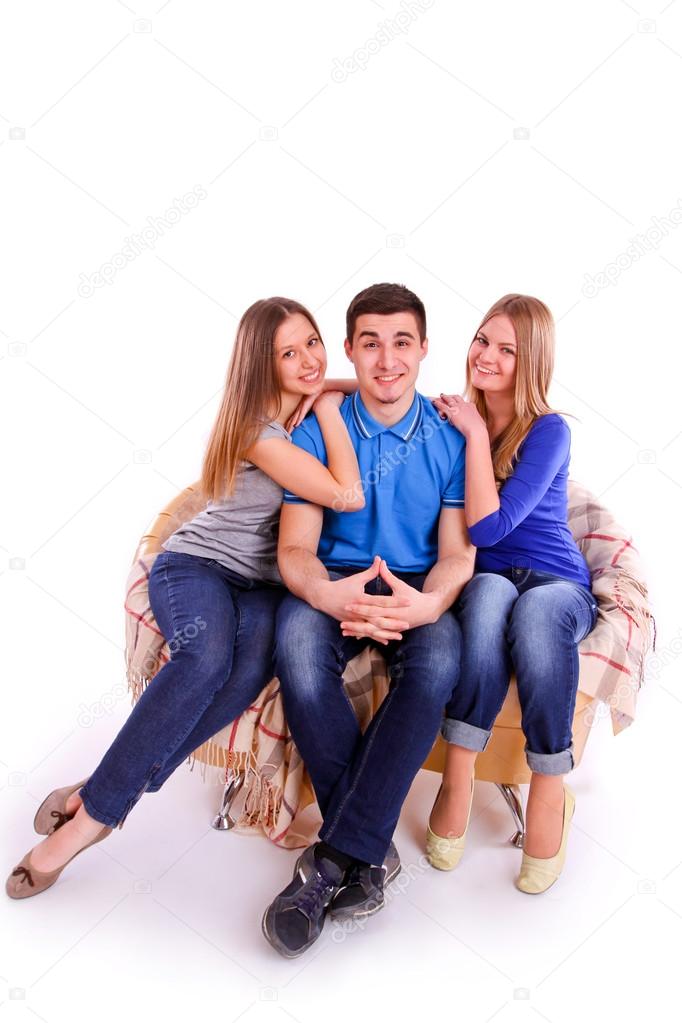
point(534, 329)
point(252, 393)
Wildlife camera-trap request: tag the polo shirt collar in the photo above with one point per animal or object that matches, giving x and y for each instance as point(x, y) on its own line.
point(369, 427)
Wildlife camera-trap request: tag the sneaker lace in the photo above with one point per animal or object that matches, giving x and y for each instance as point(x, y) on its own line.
point(313, 897)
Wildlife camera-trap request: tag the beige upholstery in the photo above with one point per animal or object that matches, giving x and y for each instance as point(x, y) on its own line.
point(181, 509)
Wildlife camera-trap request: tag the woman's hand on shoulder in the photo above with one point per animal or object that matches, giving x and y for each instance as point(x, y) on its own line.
point(461, 414)
point(330, 393)
point(335, 398)
point(302, 409)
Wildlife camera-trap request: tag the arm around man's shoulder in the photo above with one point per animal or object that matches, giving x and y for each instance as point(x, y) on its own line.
point(308, 437)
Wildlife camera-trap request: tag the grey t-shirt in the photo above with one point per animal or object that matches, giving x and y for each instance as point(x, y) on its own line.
point(241, 531)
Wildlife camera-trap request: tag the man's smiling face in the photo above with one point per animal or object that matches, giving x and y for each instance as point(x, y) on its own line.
point(386, 352)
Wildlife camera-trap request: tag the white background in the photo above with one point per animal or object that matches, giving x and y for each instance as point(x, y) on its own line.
point(482, 148)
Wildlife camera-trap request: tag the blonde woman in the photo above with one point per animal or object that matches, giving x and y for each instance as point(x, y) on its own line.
point(529, 602)
point(215, 588)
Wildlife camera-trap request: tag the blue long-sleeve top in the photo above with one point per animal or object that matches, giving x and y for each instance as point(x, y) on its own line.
point(530, 529)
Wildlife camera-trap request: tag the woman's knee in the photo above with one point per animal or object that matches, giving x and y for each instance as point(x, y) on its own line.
point(207, 657)
point(485, 603)
point(542, 640)
point(547, 616)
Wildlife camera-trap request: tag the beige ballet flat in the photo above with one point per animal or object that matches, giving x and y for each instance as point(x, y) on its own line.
point(25, 880)
point(51, 813)
point(538, 874)
point(443, 851)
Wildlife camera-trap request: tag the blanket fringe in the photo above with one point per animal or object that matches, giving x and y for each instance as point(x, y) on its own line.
point(262, 803)
point(137, 682)
point(639, 615)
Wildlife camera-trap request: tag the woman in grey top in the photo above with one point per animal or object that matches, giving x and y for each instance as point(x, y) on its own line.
point(214, 589)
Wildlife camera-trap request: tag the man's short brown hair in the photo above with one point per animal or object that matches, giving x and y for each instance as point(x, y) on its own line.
point(385, 299)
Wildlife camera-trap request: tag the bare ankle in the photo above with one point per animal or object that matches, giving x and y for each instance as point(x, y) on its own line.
point(73, 804)
point(84, 824)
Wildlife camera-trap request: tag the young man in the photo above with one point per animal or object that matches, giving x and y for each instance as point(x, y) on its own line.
point(412, 535)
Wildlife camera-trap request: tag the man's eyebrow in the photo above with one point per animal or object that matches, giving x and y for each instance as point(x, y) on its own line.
point(375, 333)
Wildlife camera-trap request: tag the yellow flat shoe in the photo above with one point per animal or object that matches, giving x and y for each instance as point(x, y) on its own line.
point(442, 851)
point(538, 874)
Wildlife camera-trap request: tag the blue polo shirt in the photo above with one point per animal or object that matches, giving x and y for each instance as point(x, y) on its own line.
point(409, 472)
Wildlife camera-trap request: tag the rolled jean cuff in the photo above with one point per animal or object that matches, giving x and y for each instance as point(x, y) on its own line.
point(551, 763)
point(459, 733)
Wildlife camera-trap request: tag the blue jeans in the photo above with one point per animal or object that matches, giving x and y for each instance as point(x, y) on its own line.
point(531, 623)
point(361, 781)
point(220, 631)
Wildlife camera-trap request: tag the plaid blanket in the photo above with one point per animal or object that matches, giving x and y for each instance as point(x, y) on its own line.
point(277, 794)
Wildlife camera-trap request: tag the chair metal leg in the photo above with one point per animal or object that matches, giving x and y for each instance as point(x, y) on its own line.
point(512, 797)
point(223, 821)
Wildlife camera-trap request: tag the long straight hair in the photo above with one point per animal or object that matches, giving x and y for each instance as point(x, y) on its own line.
point(252, 395)
point(534, 329)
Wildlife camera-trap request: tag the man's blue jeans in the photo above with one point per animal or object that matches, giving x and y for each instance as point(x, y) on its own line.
point(361, 781)
point(529, 622)
point(220, 631)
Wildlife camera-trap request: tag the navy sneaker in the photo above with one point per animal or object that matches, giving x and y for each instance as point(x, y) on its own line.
point(363, 891)
point(294, 920)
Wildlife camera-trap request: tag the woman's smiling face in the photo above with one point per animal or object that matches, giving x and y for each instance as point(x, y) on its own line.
point(300, 356)
point(492, 356)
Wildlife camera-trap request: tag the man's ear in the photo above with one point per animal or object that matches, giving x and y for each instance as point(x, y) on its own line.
point(425, 348)
point(348, 349)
